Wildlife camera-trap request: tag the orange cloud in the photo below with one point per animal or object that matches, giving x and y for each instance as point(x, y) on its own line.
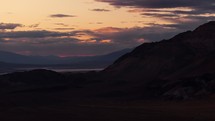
point(88, 41)
point(106, 41)
point(108, 30)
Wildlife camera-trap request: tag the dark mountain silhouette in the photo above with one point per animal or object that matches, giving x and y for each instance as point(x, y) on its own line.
point(39, 80)
point(173, 58)
point(188, 55)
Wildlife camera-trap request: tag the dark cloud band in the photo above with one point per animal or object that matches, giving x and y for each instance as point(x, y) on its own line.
point(61, 16)
point(33, 34)
point(100, 10)
point(9, 26)
point(161, 3)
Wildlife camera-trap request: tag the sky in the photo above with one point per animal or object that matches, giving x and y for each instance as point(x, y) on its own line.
point(95, 27)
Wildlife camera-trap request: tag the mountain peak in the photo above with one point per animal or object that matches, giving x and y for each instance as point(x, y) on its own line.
point(210, 26)
point(202, 39)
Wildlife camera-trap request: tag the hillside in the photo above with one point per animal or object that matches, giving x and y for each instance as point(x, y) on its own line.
point(161, 67)
point(169, 58)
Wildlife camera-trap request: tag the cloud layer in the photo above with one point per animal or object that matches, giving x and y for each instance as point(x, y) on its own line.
point(170, 17)
point(81, 42)
point(61, 16)
point(196, 4)
point(180, 14)
point(32, 34)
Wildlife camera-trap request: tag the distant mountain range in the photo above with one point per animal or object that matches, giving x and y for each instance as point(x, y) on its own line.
point(84, 62)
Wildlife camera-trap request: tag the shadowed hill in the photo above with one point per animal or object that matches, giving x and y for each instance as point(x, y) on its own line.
point(186, 54)
point(163, 68)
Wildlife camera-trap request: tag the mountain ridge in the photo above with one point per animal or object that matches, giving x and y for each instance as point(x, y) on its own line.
point(172, 54)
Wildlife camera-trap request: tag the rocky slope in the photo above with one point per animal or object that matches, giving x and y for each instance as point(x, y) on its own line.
point(162, 68)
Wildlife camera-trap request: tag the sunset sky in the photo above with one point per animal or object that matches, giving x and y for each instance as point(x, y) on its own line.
point(94, 27)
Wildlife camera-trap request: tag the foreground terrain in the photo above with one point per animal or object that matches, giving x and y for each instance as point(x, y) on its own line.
point(170, 80)
point(28, 98)
point(62, 106)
